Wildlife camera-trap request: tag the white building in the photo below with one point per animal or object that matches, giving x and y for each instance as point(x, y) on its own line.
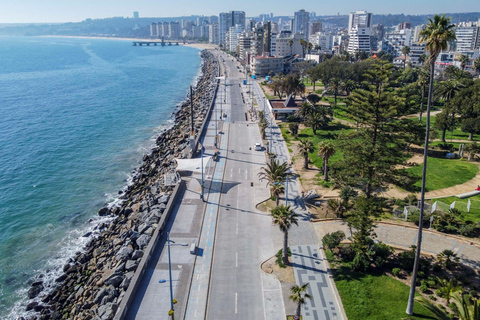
point(283, 47)
point(262, 65)
point(213, 33)
point(400, 39)
point(359, 32)
point(232, 37)
point(230, 19)
point(301, 21)
point(468, 36)
point(324, 41)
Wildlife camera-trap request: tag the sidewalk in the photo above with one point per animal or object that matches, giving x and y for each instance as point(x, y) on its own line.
point(303, 238)
point(432, 243)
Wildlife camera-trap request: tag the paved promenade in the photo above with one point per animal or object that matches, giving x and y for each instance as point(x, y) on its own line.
point(404, 237)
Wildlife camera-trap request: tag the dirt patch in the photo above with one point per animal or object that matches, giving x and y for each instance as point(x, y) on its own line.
point(284, 275)
point(266, 206)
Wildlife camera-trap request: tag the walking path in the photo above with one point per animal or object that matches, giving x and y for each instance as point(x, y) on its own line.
point(303, 238)
point(404, 237)
point(310, 266)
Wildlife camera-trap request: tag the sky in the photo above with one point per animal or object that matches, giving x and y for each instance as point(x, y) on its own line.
point(25, 11)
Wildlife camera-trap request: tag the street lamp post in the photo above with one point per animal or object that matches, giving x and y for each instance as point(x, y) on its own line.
point(286, 192)
point(201, 195)
point(169, 243)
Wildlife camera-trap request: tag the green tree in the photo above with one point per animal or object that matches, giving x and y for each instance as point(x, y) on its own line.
point(293, 127)
point(405, 52)
point(305, 147)
point(332, 240)
point(422, 82)
point(314, 75)
point(299, 295)
point(372, 152)
point(326, 149)
point(448, 259)
point(476, 64)
point(313, 98)
point(447, 90)
point(319, 118)
point(447, 288)
point(284, 218)
point(335, 85)
point(305, 110)
point(348, 86)
point(275, 173)
point(467, 102)
point(465, 310)
point(292, 85)
point(338, 207)
point(437, 34)
point(464, 59)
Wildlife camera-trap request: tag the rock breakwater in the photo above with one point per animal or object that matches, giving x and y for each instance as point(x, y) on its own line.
point(95, 280)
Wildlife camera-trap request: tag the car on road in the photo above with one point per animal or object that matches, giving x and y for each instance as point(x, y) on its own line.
point(258, 147)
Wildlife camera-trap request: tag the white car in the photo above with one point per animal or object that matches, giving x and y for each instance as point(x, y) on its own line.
point(258, 147)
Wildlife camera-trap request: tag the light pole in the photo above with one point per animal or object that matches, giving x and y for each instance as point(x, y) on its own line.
point(169, 243)
point(201, 195)
point(286, 192)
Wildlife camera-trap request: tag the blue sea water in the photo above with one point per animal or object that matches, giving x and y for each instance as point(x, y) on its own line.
point(76, 116)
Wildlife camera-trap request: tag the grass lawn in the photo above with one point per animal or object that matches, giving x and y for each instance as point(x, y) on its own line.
point(456, 134)
point(374, 297)
point(461, 204)
point(444, 173)
point(309, 83)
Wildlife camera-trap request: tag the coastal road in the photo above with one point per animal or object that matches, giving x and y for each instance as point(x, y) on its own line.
point(244, 236)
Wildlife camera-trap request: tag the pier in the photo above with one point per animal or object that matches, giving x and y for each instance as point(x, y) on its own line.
point(148, 43)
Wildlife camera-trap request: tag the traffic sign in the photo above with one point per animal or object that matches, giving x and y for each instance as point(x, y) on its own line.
point(296, 317)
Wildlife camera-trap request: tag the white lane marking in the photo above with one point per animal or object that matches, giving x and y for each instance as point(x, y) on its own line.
point(246, 174)
point(236, 298)
point(237, 227)
point(239, 171)
point(236, 259)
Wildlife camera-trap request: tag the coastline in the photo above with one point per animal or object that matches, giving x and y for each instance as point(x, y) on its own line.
point(201, 46)
point(95, 280)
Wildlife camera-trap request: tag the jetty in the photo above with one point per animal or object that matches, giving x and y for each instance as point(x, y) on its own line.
point(148, 43)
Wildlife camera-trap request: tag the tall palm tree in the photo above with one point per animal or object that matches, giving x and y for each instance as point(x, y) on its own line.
point(463, 61)
point(335, 85)
point(299, 295)
point(305, 147)
point(423, 81)
point(275, 173)
point(284, 218)
point(422, 58)
point(437, 34)
point(405, 51)
point(326, 149)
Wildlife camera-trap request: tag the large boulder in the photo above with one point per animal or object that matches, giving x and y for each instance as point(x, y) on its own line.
point(143, 241)
point(35, 289)
point(114, 279)
point(124, 253)
point(107, 311)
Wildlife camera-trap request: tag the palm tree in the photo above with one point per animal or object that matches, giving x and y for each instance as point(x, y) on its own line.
point(348, 86)
point(293, 127)
point(423, 80)
point(447, 90)
point(422, 58)
point(290, 43)
point(448, 259)
point(335, 84)
point(464, 310)
point(437, 34)
point(405, 51)
point(448, 287)
point(298, 295)
point(326, 149)
point(284, 218)
point(275, 173)
point(305, 147)
point(463, 61)
point(304, 110)
point(476, 64)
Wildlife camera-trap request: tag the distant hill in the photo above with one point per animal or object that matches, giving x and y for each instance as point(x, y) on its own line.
point(139, 28)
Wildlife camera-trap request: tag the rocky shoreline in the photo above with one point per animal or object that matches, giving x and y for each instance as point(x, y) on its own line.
point(94, 282)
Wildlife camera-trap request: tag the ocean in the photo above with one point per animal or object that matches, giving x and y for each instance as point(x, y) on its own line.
point(76, 117)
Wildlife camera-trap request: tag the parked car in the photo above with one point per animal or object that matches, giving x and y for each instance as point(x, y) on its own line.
point(258, 147)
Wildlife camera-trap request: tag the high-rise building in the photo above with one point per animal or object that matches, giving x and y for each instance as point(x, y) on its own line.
point(214, 33)
point(153, 30)
point(359, 32)
point(135, 14)
point(230, 19)
point(174, 30)
point(416, 33)
point(315, 26)
point(300, 23)
point(467, 36)
point(267, 38)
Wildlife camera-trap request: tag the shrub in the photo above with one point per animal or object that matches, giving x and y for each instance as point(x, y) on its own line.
point(346, 253)
point(380, 253)
point(411, 199)
point(360, 262)
point(468, 230)
point(431, 283)
point(332, 240)
point(424, 288)
point(433, 298)
point(437, 267)
point(396, 272)
point(421, 274)
point(406, 260)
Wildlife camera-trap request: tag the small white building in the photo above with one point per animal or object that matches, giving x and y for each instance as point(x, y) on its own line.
point(262, 65)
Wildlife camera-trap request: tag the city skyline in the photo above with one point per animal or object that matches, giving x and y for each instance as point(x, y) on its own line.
point(57, 11)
